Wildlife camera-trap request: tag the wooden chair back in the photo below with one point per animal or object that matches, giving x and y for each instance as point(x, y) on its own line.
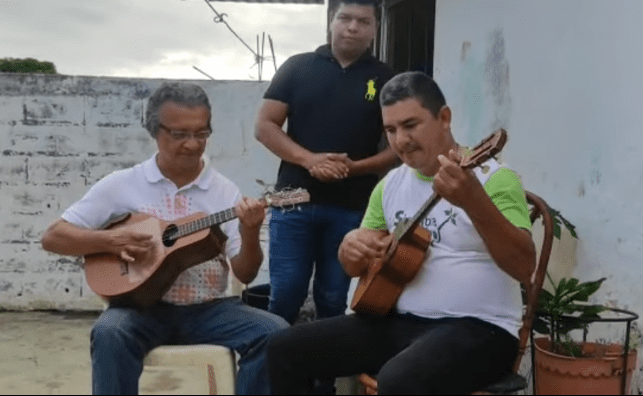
point(539, 208)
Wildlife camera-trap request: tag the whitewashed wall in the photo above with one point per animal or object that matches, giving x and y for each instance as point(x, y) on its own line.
point(564, 78)
point(60, 134)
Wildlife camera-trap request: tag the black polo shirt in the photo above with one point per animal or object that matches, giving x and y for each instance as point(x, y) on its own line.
point(331, 109)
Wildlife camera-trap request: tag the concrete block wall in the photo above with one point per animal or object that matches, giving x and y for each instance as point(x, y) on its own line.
point(60, 134)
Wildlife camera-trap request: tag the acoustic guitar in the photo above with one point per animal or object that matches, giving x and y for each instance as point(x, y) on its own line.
point(177, 246)
point(380, 287)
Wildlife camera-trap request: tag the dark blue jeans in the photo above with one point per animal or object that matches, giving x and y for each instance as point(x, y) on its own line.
point(300, 241)
point(411, 356)
point(122, 337)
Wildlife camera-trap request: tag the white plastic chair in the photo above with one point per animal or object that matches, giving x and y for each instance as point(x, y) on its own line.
point(218, 362)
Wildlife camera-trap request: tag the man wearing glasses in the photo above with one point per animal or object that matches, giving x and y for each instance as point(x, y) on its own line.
point(176, 182)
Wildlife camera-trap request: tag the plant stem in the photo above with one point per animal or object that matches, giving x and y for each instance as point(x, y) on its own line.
point(550, 280)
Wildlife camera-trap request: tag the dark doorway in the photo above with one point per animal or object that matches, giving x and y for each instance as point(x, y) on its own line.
point(407, 35)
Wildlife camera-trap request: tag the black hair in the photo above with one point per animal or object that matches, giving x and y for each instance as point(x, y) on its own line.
point(334, 6)
point(413, 85)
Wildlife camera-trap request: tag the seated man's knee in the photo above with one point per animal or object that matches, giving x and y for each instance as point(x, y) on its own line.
point(274, 323)
point(266, 324)
point(392, 380)
point(112, 328)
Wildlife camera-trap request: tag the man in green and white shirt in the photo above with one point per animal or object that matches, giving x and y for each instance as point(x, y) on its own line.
point(456, 324)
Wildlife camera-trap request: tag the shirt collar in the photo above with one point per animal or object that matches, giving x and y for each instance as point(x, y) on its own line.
point(422, 177)
point(327, 52)
point(203, 181)
point(462, 150)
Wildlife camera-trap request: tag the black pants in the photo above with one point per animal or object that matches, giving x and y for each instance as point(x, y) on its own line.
point(409, 355)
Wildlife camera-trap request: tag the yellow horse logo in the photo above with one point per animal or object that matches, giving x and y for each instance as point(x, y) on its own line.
point(371, 91)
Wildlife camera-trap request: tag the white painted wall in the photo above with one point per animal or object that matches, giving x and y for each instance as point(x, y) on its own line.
point(60, 134)
point(564, 78)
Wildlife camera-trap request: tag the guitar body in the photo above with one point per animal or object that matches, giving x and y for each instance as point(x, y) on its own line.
point(381, 286)
point(144, 281)
point(177, 246)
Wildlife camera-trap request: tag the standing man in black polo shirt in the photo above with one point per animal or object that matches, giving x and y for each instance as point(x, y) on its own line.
point(330, 99)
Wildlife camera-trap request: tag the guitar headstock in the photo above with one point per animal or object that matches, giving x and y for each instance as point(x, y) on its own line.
point(285, 198)
point(488, 148)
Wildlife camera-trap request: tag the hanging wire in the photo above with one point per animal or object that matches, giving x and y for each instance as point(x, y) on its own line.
point(219, 19)
point(258, 55)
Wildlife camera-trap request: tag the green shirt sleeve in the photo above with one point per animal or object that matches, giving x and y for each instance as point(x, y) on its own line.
point(506, 192)
point(374, 216)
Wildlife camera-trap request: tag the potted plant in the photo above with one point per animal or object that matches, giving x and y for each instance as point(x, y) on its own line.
point(561, 364)
point(566, 366)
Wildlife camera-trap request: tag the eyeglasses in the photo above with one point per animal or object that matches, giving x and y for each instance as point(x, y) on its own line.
point(180, 136)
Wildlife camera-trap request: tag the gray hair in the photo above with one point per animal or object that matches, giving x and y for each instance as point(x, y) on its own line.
point(189, 95)
point(416, 85)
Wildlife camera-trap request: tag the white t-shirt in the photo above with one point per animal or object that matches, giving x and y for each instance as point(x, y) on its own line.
point(144, 189)
point(458, 278)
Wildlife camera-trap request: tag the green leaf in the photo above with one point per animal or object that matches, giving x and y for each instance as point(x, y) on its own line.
point(541, 326)
point(587, 289)
point(545, 296)
point(558, 219)
point(594, 310)
point(573, 282)
point(561, 286)
point(554, 216)
point(567, 325)
point(568, 300)
point(570, 227)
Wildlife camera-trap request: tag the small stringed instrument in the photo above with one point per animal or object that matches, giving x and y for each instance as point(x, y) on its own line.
point(380, 287)
point(177, 246)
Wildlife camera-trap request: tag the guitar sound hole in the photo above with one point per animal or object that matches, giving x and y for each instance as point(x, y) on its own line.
point(169, 236)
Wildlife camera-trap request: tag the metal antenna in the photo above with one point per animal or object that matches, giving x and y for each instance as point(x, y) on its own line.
point(272, 50)
point(263, 45)
point(204, 73)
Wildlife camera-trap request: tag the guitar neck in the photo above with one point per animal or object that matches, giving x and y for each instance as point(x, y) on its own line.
point(419, 215)
point(209, 221)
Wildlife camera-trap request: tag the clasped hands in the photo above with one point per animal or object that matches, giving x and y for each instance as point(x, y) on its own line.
point(329, 167)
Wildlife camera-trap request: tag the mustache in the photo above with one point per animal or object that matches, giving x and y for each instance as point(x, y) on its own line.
point(408, 147)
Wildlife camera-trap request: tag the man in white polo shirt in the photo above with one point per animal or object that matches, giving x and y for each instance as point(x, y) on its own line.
point(176, 182)
point(454, 328)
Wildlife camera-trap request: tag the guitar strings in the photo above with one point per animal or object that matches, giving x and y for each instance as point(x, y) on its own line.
point(296, 196)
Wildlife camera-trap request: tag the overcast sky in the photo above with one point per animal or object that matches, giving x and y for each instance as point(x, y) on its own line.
point(155, 38)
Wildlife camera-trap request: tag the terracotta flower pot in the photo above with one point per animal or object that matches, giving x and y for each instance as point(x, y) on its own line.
point(565, 375)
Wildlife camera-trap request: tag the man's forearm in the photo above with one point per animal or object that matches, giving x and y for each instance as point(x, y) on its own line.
point(245, 265)
point(511, 247)
point(379, 163)
point(280, 144)
point(67, 239)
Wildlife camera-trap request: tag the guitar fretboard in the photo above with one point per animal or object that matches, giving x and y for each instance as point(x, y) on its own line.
point(275, 200)
point(406, 226)
point(206, 222)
